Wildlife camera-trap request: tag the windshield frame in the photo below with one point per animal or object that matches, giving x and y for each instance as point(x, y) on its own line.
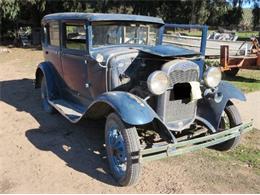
point(90, 30)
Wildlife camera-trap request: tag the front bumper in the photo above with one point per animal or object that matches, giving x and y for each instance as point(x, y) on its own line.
point(194, 144)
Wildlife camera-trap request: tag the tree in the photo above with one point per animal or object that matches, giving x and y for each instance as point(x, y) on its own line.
point(210, 12)
point(9, 9)
point(217, 9)
point(256, 15)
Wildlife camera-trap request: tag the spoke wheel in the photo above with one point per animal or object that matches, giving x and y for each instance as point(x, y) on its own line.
point(123, 147)
point(118, 150)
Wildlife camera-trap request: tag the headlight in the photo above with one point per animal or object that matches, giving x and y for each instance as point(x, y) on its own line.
point(99, 58)
point(212, 77)
point(158, 82)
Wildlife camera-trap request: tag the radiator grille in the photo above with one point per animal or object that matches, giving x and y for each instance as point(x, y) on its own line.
point(180, 76)
point(180, 110)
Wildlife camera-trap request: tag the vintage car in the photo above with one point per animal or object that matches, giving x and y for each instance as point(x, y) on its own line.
point(158, 100)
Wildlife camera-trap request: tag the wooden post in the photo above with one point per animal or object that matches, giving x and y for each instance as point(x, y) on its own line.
point(224, 57)
point(258, 58)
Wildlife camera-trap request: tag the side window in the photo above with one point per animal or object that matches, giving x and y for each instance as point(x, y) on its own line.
point(54, 36)
point(75, 36)
point(44, 34)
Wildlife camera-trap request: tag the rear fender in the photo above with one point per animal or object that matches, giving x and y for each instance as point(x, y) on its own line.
point(209, 112)
point(46, 69)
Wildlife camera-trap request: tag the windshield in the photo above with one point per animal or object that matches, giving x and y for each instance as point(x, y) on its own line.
point(104, 34)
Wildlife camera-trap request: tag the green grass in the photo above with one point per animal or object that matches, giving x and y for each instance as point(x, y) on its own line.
point(246, 80)
point(241, 155)
point(246, 35)
point(196, 33)
point(247, 152)
point(250, 156)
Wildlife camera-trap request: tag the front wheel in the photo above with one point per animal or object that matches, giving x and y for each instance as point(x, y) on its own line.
point(230, 118)
point(123, 150)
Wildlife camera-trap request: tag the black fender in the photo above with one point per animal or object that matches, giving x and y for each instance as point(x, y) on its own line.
point(132, 109)
point(47, 70)
point(209, 112)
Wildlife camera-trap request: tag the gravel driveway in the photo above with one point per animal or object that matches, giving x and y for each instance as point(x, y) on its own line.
point(251, 108)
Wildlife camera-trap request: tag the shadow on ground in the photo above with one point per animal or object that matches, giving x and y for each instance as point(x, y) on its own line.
point(241, 79)
point(79, 145)
point(12, 46)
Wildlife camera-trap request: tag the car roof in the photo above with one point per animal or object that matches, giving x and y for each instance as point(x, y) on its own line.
point(101, 17)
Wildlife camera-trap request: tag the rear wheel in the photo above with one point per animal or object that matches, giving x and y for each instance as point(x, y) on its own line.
point(123, 150)
point(230, 118)
point(45, 103)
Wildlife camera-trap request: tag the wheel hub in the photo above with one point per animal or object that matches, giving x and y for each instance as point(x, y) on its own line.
point(118, 152)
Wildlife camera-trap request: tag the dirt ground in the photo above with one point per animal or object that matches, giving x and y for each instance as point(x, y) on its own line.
point(42, 153)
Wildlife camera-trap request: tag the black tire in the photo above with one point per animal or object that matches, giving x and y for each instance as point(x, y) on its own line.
point(234, 120)
point(232, 72)
point(129, 152)
point(44, 98)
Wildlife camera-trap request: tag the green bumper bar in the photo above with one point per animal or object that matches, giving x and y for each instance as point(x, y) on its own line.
point(194, 144)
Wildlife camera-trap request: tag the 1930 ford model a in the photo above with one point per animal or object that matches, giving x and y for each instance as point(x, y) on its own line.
point(158, 100)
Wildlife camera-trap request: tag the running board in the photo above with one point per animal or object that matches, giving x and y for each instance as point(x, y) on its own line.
point(73, 112)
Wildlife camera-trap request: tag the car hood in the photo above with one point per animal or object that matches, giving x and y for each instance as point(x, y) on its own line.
point(167, 51)
point(159, 50)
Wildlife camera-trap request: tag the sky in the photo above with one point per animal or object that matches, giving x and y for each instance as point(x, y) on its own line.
point(248, 5)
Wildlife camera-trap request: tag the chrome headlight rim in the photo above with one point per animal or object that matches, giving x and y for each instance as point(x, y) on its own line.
point(158, 82)
point(99, 58)
point(212, 77)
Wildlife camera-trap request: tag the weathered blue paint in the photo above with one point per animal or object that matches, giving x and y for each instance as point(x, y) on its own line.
point(159, 50)
point(200, 63)
point(167, 51)
point(203, 28)
point(88, 30)
point(203, 43)
point(211, 111)
point(132, 109)
point(160, 39)
point(93, 17)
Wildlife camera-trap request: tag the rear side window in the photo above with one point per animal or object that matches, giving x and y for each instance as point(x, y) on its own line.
point(54, 36)
point(44, 34)
point(75, 36)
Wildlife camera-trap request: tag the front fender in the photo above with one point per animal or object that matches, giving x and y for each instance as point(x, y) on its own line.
point(209, 112)
point(132, 109)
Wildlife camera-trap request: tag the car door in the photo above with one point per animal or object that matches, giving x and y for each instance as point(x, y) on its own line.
point(74, 60)
point(52, 47)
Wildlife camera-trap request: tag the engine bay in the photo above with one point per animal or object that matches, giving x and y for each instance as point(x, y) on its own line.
point(130, 72)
